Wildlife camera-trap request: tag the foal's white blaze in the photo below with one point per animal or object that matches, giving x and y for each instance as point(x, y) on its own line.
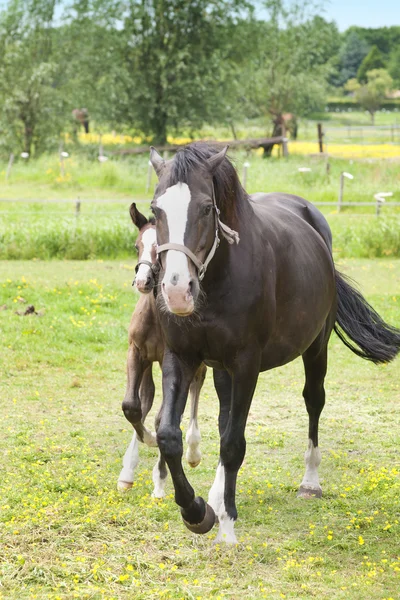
point(149, 241)
point(312, 459)
point(129, 464)
point(175, 203)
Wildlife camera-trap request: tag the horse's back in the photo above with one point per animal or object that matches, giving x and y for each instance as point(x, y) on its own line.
point(278, 203)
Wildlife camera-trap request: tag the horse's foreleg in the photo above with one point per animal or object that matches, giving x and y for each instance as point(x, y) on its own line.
point(147, 391)
point(129, 464)
point(193, 437)
point(233, 443)
point(177, 376)
point(315, 363)
point(223, 387)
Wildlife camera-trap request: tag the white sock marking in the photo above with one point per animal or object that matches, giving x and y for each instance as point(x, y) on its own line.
point(216, 493)
point(312, 458)
point(159, 483)
point(129, 463)
point(226, 533)
point(193, 437)
point(175, 203)
point(149, 240)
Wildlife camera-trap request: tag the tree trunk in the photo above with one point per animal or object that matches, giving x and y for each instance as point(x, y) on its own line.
point(372, 117)
point(28, 137)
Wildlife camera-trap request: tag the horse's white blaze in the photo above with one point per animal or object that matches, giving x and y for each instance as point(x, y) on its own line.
point(129, 463)
point(175, 203)
point(193, 437)
point(158, 481)
point(149, 241)
point(312, 459)
point(216, 493)
point(226, 533)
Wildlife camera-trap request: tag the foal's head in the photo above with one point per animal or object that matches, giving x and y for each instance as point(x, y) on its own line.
point(185, 207)
point(146, 249)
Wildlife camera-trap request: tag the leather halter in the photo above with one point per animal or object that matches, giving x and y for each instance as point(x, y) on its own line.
point(201, 267)
point(154, 267)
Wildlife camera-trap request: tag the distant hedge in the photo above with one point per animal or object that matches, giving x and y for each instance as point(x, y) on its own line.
point(348, 104)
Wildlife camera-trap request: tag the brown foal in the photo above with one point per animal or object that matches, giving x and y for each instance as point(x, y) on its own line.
point(146, 346)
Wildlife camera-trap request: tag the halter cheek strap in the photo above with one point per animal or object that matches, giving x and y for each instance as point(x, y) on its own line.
point(229, 234)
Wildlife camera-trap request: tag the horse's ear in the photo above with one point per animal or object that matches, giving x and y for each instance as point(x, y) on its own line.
point(157, 161)
point(215, 160)
point(138, 219)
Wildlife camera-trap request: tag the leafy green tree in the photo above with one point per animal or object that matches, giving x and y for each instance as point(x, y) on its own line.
point(373, 60)
point(31, 104)
point(179, 59)
point(394, 66)
point(287, 74)
point(351, 54)
point(371, 94)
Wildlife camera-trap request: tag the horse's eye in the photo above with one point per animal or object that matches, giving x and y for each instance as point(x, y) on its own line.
point(136, 248)
point(207, 209)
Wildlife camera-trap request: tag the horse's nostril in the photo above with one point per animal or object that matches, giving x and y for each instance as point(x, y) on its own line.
point(148, 280)
point(191, 286)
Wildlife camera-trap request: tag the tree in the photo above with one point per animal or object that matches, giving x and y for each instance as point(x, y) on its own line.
point(287, 74)
point(32, 106)
point(351, 54)
point(371, 94)
point(373, 60)
point(179, 59)
point(394, 66)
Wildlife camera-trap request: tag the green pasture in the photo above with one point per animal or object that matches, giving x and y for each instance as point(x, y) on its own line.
point(65, 531)
point(37, 212)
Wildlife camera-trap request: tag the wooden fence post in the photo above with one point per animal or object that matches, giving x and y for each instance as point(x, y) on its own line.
point(77, 208)
point(320, 137)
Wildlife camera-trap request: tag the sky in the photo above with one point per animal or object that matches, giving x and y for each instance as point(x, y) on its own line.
point(364, 13)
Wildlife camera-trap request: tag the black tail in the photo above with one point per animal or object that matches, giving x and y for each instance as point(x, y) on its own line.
point(373, 338)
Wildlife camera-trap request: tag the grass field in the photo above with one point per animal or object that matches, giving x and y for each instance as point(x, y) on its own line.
point(65, 531)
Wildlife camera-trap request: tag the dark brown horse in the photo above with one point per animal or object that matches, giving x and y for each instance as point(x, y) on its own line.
point(146, 346)
point(243, 306)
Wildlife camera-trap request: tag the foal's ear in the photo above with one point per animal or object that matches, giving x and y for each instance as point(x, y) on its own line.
point(138, 219)
point(157, 161)
point(215, 160)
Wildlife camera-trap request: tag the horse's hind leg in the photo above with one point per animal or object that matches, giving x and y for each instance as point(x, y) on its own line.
point(193, 437)
point(315, 363)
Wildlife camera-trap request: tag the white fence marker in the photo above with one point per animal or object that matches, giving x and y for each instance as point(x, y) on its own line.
point(246, 165)
point(341, 188)
point(380, 199)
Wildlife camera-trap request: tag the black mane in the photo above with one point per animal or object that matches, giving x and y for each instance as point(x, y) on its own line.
point(229, 192)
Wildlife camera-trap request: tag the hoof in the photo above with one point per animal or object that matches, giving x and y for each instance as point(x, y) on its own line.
point(194, 464)
point(207, 523)
point(124, 486)
point(308, 492)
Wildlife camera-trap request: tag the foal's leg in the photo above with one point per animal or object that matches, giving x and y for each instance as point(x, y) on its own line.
point(193, 437)
point(146, 394)
point(315, 363)
point(134, 368)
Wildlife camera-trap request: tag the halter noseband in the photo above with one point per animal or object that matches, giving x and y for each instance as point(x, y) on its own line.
point(229, 234)
point(154, 267)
